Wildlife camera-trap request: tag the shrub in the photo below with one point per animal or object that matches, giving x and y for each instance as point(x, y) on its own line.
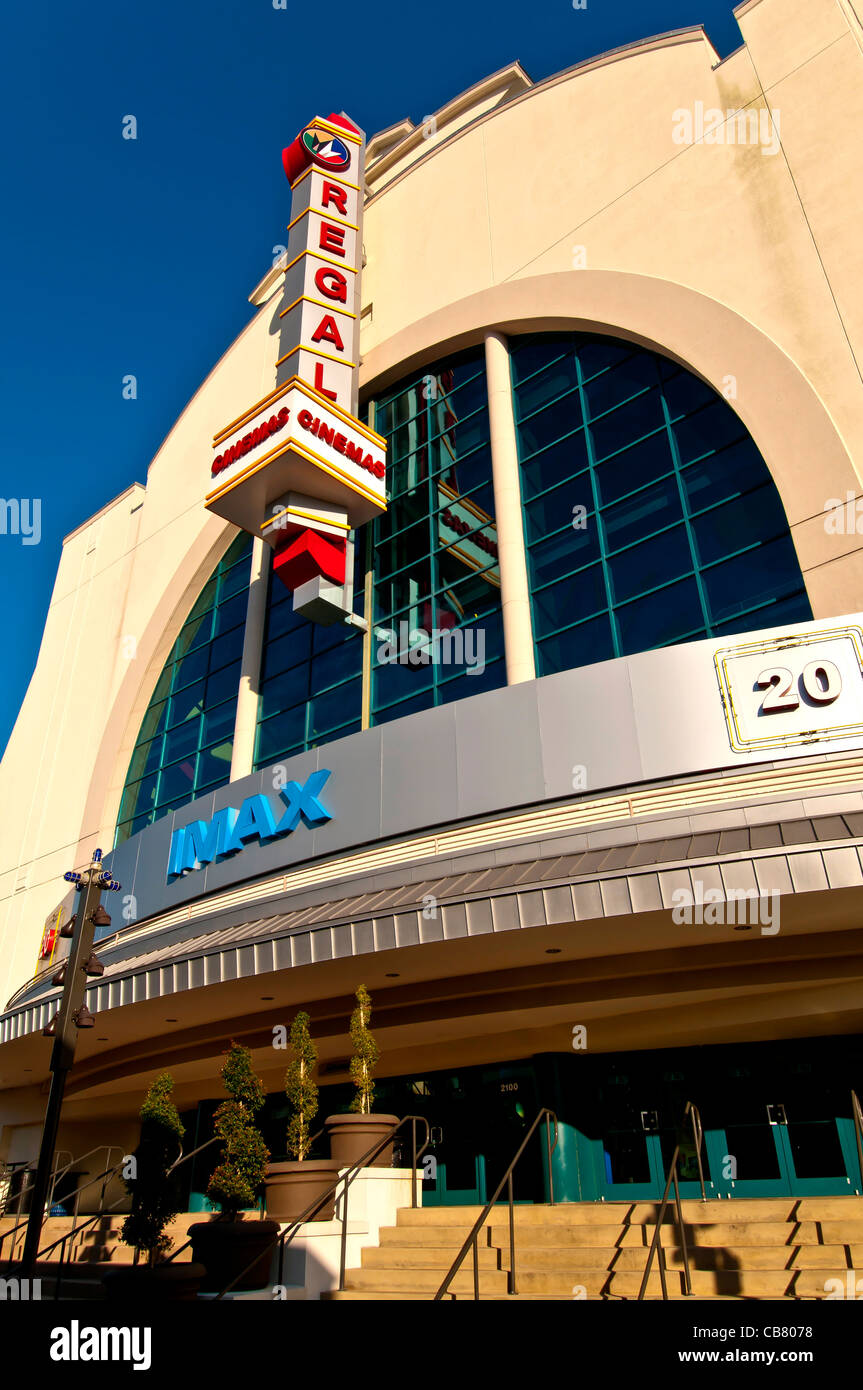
point(365, 1055)
point(154, 1192)
point(238, 1177)
point(300, 1089)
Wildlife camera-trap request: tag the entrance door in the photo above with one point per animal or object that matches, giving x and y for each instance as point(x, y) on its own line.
point(632, 1158)
point(771, 1153)
point(457, 1179)
point(478, 1119)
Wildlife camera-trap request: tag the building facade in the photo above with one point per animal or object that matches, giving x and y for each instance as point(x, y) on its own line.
point(579, 797)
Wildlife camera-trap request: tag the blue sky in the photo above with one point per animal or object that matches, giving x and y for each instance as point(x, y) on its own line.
point(136, 257)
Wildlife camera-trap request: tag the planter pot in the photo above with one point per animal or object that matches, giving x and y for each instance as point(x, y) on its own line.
point(293, 1187)
point(166, 1283)
point(353, 1135)
point(226, 1247)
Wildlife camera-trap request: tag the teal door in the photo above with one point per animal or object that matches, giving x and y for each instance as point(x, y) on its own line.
point(636, 1160)
point(455, 1181)
point(632, 1159)
point(771, 1153)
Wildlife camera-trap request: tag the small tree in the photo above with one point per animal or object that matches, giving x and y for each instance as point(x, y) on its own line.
point(238, 1177)
point(365, 1055)
point(300, 1089)
point(155, 1194)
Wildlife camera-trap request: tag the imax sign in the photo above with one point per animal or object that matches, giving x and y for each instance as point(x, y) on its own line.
point(230, 830)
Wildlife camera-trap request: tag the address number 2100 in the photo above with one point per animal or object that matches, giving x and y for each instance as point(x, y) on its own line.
point(819, 681)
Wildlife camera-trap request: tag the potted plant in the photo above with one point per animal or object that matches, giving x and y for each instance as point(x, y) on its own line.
point(353, 1134)
point(155, 1202)
point(292, 1187)
point(227, 1244)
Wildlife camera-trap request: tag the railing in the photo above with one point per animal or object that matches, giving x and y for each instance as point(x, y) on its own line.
point(76, 1231)
point(56, 1175)
point(857, 1117)
point(57, 1172)
point(473, 1238)
point(7, 1173)
point(656, 1245)
point(103, 1211)
point(284, 1238)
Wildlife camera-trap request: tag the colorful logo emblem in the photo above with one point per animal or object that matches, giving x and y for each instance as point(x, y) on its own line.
point(330, 154)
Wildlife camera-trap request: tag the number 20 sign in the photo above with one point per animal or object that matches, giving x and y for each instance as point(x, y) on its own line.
point(794, 689)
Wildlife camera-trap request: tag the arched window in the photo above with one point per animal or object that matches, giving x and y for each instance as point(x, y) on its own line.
point(310, 693)
point(650, 517)
point(437, 613)
point(311, 678)
point(186, 737)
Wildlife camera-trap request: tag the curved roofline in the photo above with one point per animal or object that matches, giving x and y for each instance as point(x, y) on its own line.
point(690, 34)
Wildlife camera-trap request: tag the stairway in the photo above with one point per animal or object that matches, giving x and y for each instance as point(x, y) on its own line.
point(90, 1254)
point(98, 1243)
point(773, 1248)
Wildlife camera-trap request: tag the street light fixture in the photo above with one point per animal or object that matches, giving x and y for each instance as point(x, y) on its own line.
point(71, 1015)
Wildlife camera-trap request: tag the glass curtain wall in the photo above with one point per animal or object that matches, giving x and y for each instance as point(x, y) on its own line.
point(650, 516)
point(186, 738)
point(437, 613)
point(311, 677)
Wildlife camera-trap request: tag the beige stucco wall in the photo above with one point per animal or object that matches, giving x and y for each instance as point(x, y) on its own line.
point(737, 263)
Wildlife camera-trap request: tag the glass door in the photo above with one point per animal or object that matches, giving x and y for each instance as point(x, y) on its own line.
point(754, 1162)
point(779, 1151)
point(813, 1153)
point(456, 1179)
point(632, 1156)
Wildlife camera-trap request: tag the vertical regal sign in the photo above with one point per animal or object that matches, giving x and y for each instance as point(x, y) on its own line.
point(298, 467)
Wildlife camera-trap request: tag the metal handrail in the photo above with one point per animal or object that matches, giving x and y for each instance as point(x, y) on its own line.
point(78, 1230)
point(183, 1158)
point(656, 1244)
point(698, 1136)
point(58, 1173)
point(857, 1117)
point(473, 1237)
point(284, 1238)
point(103, 1177)
point(7, 1173)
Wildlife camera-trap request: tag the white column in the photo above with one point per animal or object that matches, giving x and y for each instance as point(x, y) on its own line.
point(515, 595)
point(250, 673)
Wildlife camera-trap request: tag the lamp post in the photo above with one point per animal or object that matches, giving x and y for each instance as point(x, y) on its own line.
point(63, 1028)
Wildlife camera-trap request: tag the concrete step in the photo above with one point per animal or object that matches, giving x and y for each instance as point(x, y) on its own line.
point(749, 1258)
point(748, 1211)
point(845, 1232)
point(425, 1257)
point(767, 1284)
point(725, 1233)
point(98, 1243)
point(574, 1259)
point(543, 1278)
point(374, 1296)
point(419, 1280)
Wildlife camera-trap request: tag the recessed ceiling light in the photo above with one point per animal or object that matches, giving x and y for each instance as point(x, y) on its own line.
point(392, 975)
point(101, 1039)
point(170, 1020)
point(553, 951)
point(267, 998)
